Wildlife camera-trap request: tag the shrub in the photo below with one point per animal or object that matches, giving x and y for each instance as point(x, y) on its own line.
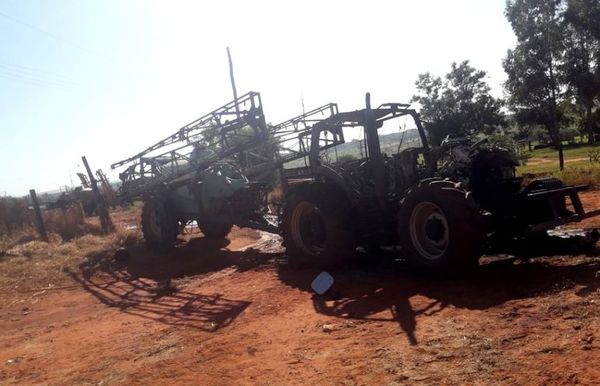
point(14, 215)
point(574, 175)
point(68, 223)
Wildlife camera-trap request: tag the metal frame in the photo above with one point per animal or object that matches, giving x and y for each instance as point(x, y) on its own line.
point(221, 130)
point(225, 132)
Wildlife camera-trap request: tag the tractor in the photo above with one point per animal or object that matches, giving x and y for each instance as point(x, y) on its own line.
point(443, 206)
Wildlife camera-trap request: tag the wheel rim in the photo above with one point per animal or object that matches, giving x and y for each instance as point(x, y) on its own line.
point(308, 228)
point(429, 230)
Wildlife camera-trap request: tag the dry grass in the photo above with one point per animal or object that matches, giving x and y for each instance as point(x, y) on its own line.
point(17, 224)
point(31, 267)
point(68, 223)
point(588, 175)
point(14, 215)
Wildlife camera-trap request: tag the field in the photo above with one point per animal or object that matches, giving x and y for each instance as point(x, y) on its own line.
point(235, 313)
point(546, 160)
point(578, 167)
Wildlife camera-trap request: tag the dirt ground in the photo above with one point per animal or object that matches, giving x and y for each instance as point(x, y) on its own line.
point(235, 313)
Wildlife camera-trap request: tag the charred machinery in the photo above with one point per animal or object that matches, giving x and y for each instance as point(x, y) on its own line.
point(443, 206)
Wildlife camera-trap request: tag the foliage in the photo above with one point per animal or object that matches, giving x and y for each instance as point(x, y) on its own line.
point(458, 105)
point(581, 65)
point(532, 66)
point(502, 141)
point(568, 134)
point(594, 156)
point(553, 72)
point(14, 214)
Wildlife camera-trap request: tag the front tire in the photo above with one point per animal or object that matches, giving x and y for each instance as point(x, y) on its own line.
point(440, 226)
point(159, 226)
point(316, 227)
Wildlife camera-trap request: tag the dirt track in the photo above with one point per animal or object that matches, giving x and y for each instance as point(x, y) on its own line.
point(212, 314)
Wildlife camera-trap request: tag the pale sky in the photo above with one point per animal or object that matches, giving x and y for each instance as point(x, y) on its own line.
point(107, 78)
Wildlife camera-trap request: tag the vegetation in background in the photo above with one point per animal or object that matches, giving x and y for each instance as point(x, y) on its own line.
point(533, 65)
point(544, 160)
point(553, 90)
point(458, 105)
point(554, 70)
point(14, 215)
point(585, 174)
point(581, 65)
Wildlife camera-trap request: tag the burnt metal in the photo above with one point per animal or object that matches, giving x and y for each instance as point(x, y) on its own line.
point(375, 184)
point(219, 169)
point(221, 131)
point(234, 132)
point(237, 134)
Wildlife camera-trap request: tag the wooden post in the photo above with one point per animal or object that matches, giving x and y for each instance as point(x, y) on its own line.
point(105, 222)
point(39, 220)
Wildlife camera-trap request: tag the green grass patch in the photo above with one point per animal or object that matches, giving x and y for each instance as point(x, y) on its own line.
point(578, 167)
point(573, 151)
point(551, 167)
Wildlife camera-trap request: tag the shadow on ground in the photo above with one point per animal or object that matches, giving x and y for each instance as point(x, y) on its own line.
point(366, 292)
point(143, 282)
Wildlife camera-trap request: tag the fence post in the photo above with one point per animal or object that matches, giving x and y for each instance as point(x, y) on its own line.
point(105, 222)
point(39, 220)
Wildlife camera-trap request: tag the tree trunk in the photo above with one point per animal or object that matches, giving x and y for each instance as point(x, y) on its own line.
point(555, 136)
point(554, 123)
point(589, 126)
point(561, 157)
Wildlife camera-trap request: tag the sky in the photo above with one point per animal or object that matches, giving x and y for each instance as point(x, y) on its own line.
point(107, 78)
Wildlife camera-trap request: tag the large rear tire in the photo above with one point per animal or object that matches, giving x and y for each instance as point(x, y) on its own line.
point(440, 227)
point(316, 227)
point(159, 226)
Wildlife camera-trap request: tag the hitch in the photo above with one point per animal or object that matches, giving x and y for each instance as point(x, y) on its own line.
point(557, 204)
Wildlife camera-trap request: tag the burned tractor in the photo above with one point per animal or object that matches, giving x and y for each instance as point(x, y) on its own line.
point(79, 195)
point(444, 206)
point(201, 174)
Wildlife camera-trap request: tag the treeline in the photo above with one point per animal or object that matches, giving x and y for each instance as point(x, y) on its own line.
point(553, 78)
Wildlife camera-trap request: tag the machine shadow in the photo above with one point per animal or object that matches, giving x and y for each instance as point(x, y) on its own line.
point(142, 283)
point(361, 293)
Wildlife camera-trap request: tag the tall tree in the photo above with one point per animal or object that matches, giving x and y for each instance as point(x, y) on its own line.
point(581, 67)
point(458, 105)
point(533, 65)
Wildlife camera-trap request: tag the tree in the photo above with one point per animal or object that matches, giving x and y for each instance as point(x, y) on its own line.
point(458, 105)
point(571, 116)
point(533, 65)
point(581, 67)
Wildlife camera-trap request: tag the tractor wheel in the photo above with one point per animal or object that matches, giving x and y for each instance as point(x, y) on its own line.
point(215, 231)
point(316, 227)
point(159, 227)
point(440, 226)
